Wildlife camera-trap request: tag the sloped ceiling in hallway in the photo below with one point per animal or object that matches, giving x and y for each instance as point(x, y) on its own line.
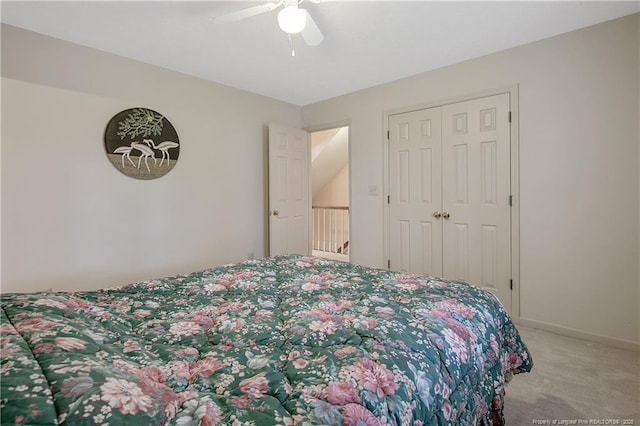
point(331, 149)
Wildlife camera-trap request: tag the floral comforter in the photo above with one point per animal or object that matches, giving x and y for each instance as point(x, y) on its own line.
point(285, 340)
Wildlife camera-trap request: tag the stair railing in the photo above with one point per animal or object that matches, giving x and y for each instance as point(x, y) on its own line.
point(331, 229)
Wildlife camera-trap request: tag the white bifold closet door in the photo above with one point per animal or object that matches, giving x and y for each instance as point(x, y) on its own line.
point(415, 170)
point(450, 182)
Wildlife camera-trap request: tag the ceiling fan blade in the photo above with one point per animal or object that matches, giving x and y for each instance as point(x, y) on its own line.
point(247, 13)
point(311, 33)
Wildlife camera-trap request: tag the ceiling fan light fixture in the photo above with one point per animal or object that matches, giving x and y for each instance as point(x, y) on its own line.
point(292, 20)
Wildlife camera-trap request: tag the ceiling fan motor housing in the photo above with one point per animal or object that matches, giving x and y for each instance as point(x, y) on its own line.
point(291, 19)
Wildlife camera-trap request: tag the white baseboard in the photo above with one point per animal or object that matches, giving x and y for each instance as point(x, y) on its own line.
point(570, 332)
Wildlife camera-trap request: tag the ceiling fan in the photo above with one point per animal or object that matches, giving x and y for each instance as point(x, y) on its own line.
point(291, 19)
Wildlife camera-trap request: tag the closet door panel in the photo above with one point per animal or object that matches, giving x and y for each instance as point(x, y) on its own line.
point(475, 194)
point(415, 182)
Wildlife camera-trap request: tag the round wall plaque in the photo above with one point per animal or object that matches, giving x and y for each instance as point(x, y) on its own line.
point(141, 143)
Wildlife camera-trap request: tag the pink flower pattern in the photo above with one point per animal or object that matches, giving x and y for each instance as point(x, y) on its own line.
point(255, 386)
point(69, 343)
point(205, 367)
point(357, 415)
point(184, 328)
point(126, 397)
point(341, 393)
point(284, 340)
point(374, 377)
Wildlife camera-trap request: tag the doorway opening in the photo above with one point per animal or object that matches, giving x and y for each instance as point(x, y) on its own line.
point(330, 193)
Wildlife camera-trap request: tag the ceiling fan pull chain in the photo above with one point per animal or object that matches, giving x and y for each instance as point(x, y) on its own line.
point(293, 46)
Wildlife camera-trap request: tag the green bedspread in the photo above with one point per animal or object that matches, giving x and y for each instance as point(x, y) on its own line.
point(287, 340)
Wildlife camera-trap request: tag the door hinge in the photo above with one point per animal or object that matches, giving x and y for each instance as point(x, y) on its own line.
point(388, 199)
point(510, 200)
point(387, 135)
point(388, 263)
point(510, 284)
point(509, 116)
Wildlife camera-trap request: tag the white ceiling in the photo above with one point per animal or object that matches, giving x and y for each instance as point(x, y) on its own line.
point(366, 42)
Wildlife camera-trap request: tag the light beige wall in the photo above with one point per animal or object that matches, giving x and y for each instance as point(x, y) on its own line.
point(70, 220)
point(579, 183)
point(336, 192)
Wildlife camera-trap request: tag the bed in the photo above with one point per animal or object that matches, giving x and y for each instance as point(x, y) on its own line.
point(287, 340)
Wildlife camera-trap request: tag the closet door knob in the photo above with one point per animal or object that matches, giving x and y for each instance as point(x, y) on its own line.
point(276, 212)
point(445, 215)
point(437, 214)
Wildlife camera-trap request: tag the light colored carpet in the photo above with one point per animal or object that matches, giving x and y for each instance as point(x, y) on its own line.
point(574, 382)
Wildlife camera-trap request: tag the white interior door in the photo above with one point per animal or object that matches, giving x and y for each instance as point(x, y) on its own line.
point(415, 142)
point(475, 197)
point(449, 193)
point(289, 201)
